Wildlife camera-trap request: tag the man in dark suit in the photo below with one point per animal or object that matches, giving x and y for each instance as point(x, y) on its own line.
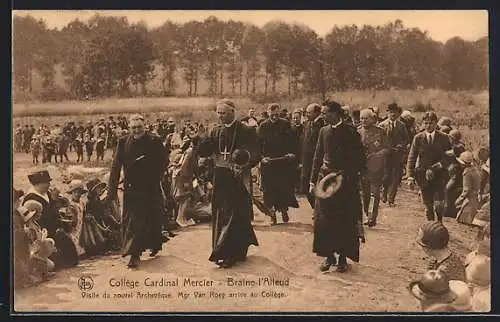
point(143, 159)
point(399, 139)
point(429, 148)
point(311, 129)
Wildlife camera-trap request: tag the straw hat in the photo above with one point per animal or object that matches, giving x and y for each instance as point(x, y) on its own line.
point(433, 285)
point(33, 207)
point(466, 158)
point(433, 235)
point(96, 187)
point(329, 185)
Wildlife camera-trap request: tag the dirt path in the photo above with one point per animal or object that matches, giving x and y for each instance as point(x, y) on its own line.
point(389, 260)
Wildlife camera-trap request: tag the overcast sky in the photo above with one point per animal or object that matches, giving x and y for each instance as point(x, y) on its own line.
point(440, 24)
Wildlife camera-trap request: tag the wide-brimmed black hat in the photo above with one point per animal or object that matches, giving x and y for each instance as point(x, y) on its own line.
point(39, 177)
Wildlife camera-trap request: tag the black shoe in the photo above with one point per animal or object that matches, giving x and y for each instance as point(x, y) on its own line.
point(325, 266)
point(154, 253)
point(134, 262)
point(384, 199)
point(371, 223)
point(273, 218)
point(342, 265)
point(285, 217)
point(227, 263)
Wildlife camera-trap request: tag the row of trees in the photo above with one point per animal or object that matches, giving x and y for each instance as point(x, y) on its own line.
point(108, 56)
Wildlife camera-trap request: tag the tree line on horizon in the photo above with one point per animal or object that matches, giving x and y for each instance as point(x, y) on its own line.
point(111, 57)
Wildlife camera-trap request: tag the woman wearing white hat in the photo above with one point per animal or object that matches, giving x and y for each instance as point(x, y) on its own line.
point(468, 201)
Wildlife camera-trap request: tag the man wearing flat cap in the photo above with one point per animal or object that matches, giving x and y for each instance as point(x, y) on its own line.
point(399, 140)
point(40, 182)
point(143, 159)
point(232, 231)
point(339, 151)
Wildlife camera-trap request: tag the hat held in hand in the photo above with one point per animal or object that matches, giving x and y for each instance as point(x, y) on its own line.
point(241, 157)
point(329, 185)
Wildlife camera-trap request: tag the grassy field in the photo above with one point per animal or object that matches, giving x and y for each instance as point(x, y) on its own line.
point(469, 110)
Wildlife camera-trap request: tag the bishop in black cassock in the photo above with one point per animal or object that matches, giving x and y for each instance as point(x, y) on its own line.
point(232, 230)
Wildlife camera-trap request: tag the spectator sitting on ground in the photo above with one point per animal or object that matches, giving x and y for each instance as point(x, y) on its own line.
point(41, 247)
point(20, 240)
point(434, 237)
point(432, 289)
point(478, 273)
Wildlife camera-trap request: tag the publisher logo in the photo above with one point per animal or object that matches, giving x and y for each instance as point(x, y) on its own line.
point(85, 283)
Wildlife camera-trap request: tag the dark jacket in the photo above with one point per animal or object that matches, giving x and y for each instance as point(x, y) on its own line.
point(429, 156)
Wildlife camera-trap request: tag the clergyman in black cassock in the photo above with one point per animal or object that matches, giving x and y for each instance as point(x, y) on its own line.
point(143, 158)
point(339, 149)
point(232, 231)
point(278, 163)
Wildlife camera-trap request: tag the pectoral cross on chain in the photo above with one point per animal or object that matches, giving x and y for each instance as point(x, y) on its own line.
point(225, 153)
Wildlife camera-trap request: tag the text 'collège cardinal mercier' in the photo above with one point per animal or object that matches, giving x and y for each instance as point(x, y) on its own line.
point(123, 282)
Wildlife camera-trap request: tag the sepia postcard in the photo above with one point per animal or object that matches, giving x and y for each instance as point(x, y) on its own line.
point(250, 161)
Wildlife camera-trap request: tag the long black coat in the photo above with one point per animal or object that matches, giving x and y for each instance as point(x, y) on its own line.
point(144, 162)
point(335, 220)
point(278, 184)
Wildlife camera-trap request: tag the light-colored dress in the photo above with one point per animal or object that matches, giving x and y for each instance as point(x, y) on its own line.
point(77, 210)
point(468, 201)
point(183, 175)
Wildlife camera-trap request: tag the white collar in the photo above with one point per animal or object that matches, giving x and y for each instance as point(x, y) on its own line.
point(45, 197)
point(337, 125)
point(430, 134)
point(230, 124)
